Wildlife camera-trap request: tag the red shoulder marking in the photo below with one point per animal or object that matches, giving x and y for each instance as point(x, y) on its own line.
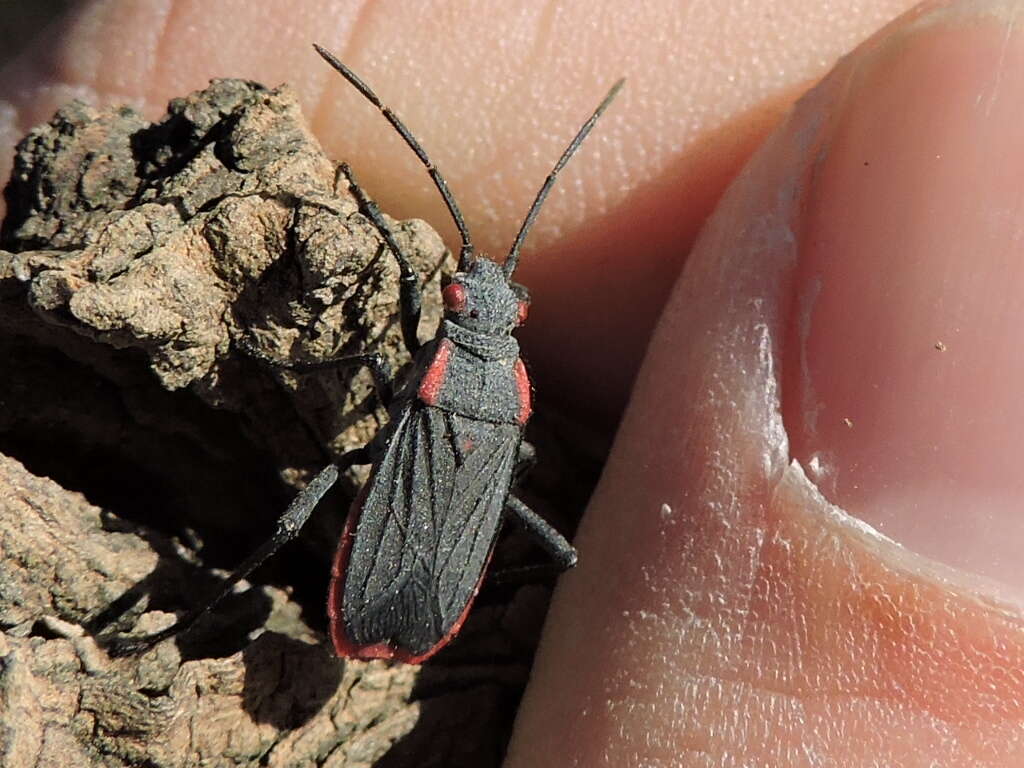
point(523, 389)
point(433, 379)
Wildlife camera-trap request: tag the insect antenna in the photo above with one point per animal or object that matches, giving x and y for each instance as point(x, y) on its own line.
point(512, 261)
point(466, 251)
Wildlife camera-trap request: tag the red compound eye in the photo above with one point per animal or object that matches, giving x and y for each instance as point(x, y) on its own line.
point(454, 297)
point(524, 310)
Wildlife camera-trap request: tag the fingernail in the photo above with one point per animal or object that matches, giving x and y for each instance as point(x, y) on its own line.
point(903, 364)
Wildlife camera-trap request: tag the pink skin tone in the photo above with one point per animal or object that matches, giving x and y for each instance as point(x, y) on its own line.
point(841, 346)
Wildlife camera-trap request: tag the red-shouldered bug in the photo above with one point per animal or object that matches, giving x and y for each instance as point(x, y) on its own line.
point(420, 533)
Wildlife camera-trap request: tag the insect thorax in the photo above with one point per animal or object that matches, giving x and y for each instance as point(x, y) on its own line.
point(475, 375)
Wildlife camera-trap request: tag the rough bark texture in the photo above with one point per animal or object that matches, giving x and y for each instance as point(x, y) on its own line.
point(150, 274)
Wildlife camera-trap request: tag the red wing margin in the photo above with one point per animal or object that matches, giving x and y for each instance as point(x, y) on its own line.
point(423, 534)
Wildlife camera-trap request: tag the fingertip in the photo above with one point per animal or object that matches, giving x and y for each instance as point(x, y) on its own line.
point(735, 593)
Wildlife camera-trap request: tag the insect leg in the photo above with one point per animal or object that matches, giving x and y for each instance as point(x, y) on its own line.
point(374, 361)
point(288, 527)
point(409, 280)
point(526, 460)
point(554, 543)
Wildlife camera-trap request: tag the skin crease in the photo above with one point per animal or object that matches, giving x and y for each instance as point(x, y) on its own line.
point(743, 619)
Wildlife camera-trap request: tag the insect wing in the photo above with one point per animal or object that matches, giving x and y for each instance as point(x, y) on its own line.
point(419, 536)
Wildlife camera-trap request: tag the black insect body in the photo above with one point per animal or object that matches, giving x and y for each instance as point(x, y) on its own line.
point(418, 539)
point(421, 531)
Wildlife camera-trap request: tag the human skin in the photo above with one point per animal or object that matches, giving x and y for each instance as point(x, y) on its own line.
point(840, 347)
